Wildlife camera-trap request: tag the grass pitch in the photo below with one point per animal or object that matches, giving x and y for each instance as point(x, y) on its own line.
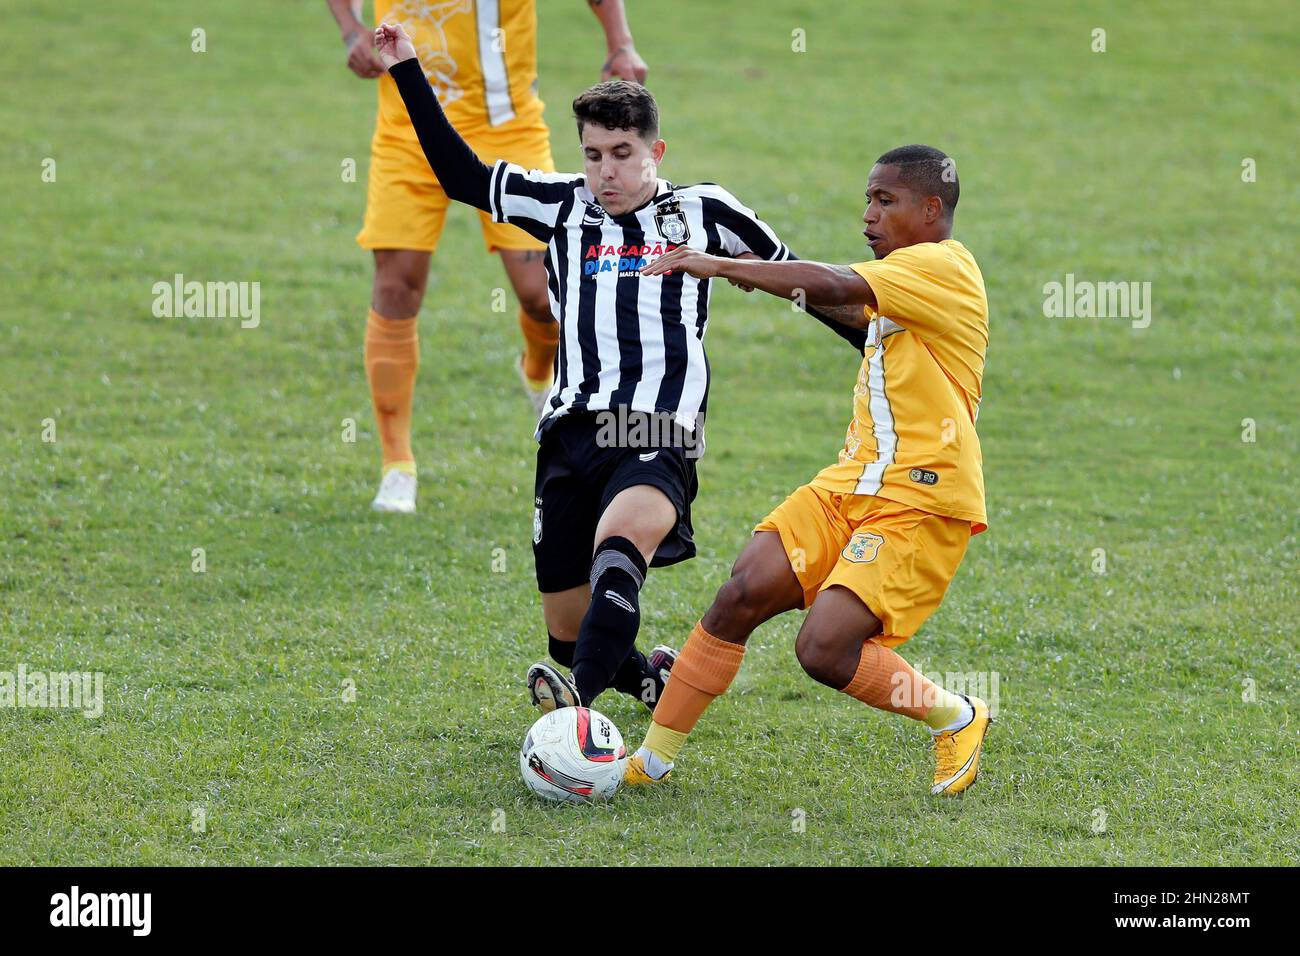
point(1147, 713)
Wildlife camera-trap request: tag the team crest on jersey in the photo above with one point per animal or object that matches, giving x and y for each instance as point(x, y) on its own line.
point(863, 547)
point(671, 221)
point(593, 214)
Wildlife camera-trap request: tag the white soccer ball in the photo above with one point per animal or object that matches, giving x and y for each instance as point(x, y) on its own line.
point(573, 754)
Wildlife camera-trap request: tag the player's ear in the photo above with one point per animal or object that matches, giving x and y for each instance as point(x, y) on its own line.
point(933, 209)
point(657, 149)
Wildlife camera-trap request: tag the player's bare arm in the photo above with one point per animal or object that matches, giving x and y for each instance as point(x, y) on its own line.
point(622, 60)
point(357, 39)
point(820, 283)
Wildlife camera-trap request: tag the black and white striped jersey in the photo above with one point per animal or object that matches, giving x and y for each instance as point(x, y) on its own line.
point(627, 340)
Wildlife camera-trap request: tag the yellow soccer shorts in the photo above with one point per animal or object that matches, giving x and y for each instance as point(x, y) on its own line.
point(896, 559)
point(405, 205)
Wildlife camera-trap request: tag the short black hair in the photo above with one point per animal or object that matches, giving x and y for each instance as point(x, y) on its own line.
point(618, 104)
point(928, 171)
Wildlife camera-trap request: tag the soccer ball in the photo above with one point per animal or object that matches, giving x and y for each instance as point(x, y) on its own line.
point(573, 754)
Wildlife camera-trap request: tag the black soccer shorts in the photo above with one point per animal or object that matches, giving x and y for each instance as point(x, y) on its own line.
point(576, 480)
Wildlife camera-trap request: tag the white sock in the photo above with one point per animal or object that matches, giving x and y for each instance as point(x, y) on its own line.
point(965, 717)
point(653, 765)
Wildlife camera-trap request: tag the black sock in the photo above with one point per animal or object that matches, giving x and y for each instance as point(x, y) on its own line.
point(608, 630)
point(561, 651)
point(636, 679)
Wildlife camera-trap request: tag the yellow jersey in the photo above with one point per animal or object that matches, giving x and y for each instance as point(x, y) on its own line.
point(912, 438)
point(480, 57)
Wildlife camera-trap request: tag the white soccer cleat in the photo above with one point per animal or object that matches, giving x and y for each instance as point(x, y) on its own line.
point(396, 493)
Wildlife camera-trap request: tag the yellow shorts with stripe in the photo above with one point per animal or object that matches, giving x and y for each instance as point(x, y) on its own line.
point(897, 559)
point(406, 207)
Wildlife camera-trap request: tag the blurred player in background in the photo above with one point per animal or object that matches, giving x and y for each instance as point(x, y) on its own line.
point(872, 542)
point(480, 57)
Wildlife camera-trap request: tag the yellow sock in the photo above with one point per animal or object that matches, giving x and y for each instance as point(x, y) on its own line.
point(885, 680)
point(392, 358)
point(541, 340)
point(664, 742)
point(947, 708)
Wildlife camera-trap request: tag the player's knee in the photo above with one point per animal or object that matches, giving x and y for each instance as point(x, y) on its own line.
point(398, 294)
point(738, 603)
point(537, 305)
point(821, 659)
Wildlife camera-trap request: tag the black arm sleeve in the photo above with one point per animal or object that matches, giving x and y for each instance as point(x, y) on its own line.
point(462, 174)
point(855, 337)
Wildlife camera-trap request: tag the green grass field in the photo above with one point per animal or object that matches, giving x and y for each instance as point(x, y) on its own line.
point(1158, 698)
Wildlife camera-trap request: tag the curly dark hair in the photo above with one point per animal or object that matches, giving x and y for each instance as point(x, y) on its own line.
point(618, 104)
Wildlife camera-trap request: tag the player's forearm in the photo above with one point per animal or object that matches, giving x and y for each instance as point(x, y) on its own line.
point(613, 18)
point(817, 283)
point(850, 316)
point(461, 173)
point(347, 14)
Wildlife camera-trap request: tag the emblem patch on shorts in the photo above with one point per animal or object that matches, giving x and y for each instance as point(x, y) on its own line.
point(863, 547)
point(537, 522)
point(923, 476)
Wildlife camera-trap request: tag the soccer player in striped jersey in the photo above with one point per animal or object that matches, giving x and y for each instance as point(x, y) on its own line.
point(872, 542)
point(622, 426)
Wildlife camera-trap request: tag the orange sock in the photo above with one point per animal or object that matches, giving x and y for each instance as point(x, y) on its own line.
point(392, 358)
point(541, 340)
point(704, 669)
point(886, 681)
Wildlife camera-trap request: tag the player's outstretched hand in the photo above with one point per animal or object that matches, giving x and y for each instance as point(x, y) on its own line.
point(701, 265)
point(393, 45)
point(361, 55)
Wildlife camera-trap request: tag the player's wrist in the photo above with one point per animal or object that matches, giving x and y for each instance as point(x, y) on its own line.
point(352, 33)
point(618, 46)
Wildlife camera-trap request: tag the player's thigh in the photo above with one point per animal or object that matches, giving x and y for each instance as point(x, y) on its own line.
point(565, 514)
point(401, 276)
point(643, 514)
point(830, 640)
point(762, 585)
point(811, 530)
point(564, 611)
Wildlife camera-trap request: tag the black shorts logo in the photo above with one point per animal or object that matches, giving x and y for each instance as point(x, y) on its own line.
point(923, 476)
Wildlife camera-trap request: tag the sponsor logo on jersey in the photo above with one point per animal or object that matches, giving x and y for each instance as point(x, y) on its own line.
point(923, 476)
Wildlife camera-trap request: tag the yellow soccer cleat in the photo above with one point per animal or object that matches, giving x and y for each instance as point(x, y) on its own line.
point(957, 752)
point(635, 774)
